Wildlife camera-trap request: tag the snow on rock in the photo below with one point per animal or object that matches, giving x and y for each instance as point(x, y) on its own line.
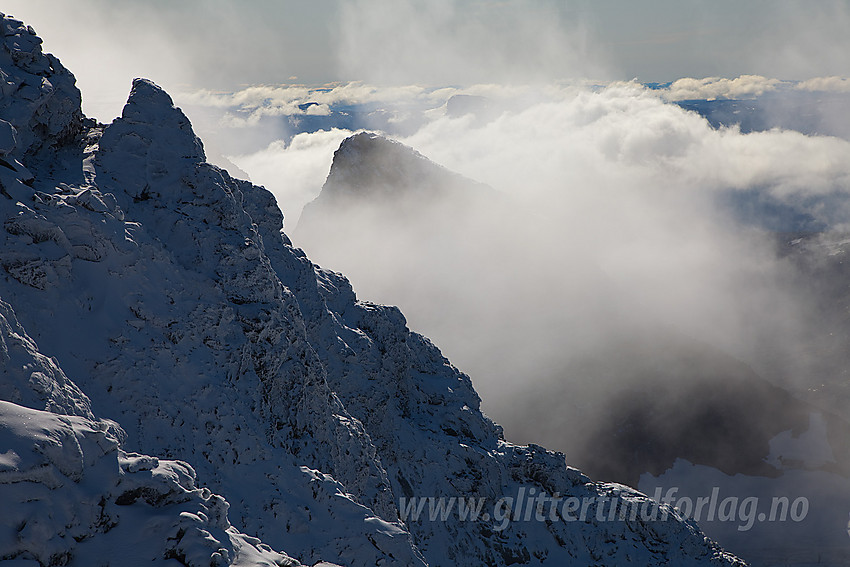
point(270, 373)
point(137, 155)
point(8, 138)
point(38, 96)
point(32, 379)
point(168, 291)
point(72, 496)
point(208, 321)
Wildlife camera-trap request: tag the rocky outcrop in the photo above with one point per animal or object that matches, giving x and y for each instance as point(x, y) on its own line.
point(72, 495)
point(38, 96)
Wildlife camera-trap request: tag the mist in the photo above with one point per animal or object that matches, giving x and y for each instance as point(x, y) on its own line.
point(606, 221)
point(616, 230)
point(614, 294)
point(446, 42)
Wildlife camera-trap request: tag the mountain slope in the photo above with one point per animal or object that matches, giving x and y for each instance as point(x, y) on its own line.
point(168, 291)
point(72, 494)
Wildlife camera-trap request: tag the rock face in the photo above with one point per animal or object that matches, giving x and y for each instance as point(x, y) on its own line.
point(372, 176)
point(167, 291)
point(72, 495)
point(384, 168)
point(38, 96)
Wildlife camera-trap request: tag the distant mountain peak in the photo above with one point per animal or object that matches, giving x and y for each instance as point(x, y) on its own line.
point(367, 163)
point(370, 170)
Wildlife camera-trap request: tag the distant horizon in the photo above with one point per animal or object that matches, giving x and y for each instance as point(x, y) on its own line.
point(192, 46)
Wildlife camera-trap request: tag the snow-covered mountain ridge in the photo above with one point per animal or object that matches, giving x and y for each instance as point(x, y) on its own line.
point(162, 293)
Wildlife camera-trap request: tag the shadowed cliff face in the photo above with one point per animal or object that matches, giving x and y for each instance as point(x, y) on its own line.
point(374, 175)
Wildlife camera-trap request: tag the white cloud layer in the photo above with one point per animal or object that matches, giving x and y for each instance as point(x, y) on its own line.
point(711, 88)
point(614, 225)
point(825, 84)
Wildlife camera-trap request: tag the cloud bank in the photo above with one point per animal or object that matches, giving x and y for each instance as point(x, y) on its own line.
point(614, 218)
